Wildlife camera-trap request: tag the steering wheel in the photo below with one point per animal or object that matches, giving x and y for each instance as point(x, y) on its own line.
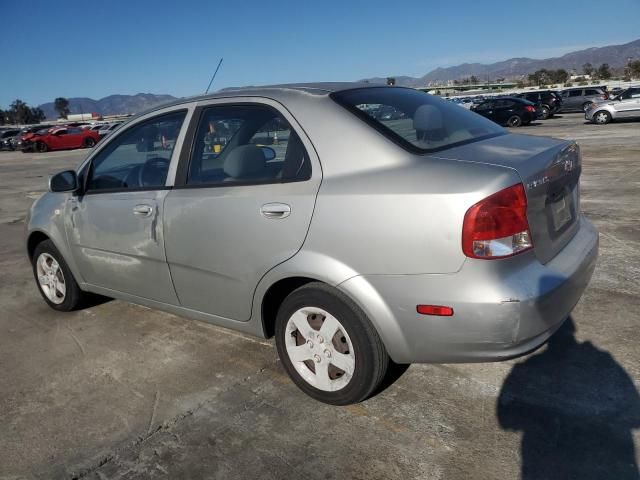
point(154, 172)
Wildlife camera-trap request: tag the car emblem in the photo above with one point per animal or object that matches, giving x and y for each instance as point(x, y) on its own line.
point(568, 165)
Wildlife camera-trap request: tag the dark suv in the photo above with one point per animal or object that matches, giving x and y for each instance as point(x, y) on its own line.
point(580, 99)
point(547, 102)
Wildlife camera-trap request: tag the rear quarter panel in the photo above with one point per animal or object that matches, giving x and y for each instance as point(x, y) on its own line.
point(381, 209)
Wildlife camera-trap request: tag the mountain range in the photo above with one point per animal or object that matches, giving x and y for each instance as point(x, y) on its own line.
point(111, 105)
point(615, 55)
point(514, 68)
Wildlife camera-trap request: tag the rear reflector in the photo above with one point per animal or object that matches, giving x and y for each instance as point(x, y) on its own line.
point(438, 310)
point(497, 226)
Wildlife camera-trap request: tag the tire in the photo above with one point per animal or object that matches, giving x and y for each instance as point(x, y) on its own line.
point(601, 117)
point(89, 142)
point(355, 345)
point(586, 105)
point(514, 121)
point(545, 112)
point(46, 254)
point(41, 147)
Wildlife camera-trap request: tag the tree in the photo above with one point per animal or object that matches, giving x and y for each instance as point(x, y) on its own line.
point(587, 68)
point(634, 69)
point(473, 80)
point(37, 115)
point(391, 81)
point(61, 105)
point(19, 111)
point(540, 77)
point(560, 75)
point(604, 73)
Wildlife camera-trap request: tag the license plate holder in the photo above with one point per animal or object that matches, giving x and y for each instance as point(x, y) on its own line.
point(560, 213)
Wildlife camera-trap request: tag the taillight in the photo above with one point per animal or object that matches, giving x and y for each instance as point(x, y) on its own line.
point(497, 226)
point(529, 108)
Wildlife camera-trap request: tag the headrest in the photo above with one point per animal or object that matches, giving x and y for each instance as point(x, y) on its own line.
point(244, 161)
point(426, 118)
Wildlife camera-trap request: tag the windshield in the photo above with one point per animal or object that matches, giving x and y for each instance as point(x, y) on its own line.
point(416, 120)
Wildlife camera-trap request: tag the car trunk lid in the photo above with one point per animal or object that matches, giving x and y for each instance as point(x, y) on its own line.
point(550, 171)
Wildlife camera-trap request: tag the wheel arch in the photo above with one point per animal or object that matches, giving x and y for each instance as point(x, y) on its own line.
point(36, 237)
point(273, 298)
point(275, 285)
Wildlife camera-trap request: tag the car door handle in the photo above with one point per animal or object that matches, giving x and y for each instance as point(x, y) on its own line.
point(143, 210)
point(275, 210)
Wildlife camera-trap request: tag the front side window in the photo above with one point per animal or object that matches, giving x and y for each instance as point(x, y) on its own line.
point(575, 93)
point(631, 93)
point(139, 157)
point(420, 122)
point(246, 144)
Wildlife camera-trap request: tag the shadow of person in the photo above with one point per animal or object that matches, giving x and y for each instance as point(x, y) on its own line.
point(576, 408)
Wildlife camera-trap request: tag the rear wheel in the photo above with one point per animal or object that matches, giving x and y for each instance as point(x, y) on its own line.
point(602, 117)
point(514, 121)
point(89, 142)
point(54, 279)
point(328, 346)
point(41, 147)
point(586, 106)
point(545, 112)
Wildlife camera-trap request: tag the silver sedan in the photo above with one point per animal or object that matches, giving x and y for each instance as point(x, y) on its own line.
point(356, 224)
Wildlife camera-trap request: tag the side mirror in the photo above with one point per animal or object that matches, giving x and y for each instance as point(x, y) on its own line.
point(269, 153)
point(66, 181)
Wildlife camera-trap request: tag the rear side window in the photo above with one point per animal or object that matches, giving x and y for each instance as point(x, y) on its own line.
point(246, 144)
point(417, 121)
point(591, 91)
point(575, 93)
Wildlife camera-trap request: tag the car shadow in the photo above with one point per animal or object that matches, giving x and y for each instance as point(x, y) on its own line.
point(576, 408)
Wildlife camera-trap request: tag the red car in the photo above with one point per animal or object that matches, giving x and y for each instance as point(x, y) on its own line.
point(62, 138)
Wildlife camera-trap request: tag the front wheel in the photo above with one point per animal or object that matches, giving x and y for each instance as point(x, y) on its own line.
point(514, 121)
point(54, 279)
point(328, 346)
point(602, 117)
point(89, 142)
point(41, 147)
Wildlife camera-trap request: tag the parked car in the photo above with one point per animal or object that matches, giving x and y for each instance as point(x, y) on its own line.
point(61, 138)
point(580, 99)
point(547, 102)
point(615, 91)
point(438, 237)
point(108, 129)
point(624, 105)
point(510, 111)
point(23, 139)
point(5, 138)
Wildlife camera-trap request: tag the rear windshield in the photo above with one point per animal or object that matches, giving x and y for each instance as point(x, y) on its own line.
point(416, 120)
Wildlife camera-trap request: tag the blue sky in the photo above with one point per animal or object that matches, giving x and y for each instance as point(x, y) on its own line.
point(95, 49)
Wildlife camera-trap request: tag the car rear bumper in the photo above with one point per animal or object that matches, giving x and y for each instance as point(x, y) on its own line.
point(502, 308)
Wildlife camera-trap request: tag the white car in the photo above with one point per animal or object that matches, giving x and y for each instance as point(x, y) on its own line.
point(108, 128)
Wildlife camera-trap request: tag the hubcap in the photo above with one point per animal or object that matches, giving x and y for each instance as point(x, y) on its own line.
point(320, 349)
point(601, 117)
point(50, 278)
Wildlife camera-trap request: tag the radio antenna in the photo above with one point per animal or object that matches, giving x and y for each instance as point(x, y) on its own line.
point(214, 75)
